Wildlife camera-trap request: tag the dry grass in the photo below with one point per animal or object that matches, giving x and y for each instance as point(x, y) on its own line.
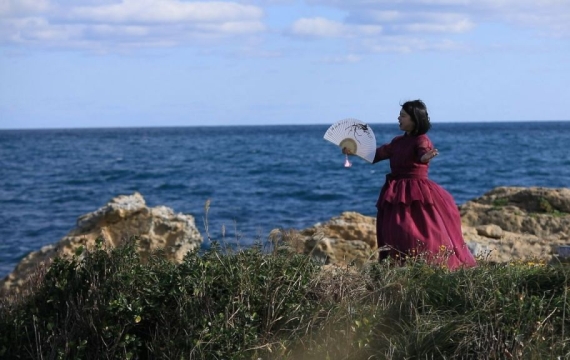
point(271, 303)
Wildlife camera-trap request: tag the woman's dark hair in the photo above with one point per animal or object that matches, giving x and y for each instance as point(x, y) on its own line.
point(418, 112)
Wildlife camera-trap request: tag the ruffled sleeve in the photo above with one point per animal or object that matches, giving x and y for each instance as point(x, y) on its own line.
point(384, 152)
point(423, 146)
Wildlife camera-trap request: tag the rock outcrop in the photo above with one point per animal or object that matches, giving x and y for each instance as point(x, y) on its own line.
point(518, 223)
point(120, 219)
point(505, 224)
point(348, 238)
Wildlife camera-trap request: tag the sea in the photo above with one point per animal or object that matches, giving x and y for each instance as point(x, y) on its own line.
point(255, 178)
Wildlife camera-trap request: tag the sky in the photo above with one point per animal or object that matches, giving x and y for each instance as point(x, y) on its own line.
point(136, 63)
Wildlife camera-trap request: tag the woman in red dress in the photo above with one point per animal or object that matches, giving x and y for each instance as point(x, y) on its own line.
point(416, 216)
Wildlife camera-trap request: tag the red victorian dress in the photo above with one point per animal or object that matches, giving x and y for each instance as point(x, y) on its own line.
point(416, 216)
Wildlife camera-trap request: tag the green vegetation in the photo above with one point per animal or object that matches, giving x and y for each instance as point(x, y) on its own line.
point(109, 304)
point(500, 202)
point(546, 207)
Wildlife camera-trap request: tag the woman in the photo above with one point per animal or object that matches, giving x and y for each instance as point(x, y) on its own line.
point(416, 216)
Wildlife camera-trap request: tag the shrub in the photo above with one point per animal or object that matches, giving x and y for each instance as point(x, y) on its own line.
point(112, 305)
point(109, 304)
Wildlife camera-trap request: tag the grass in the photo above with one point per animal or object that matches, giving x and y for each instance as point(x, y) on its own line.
point(500, 202)
point(544, 207)
point(255, 304)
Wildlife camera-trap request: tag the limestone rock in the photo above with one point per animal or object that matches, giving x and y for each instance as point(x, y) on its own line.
point(347, 239)
point(349, 226)
point(120, 219)
point(536, 210)
point(490, 231)
point(505, 224)
point(533, 221)
point(511, 246)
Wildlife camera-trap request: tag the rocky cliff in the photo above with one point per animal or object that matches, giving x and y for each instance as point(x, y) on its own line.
point(120, 219)
point(518, 223)
point(505, 224)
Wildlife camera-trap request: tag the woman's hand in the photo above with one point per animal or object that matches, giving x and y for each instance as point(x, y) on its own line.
point(429, 155)
point(346, 151)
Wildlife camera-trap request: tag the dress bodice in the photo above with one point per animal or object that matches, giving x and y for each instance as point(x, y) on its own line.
point(408, 180)
point(405, 152)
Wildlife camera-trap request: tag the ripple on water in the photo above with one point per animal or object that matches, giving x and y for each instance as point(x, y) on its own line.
point(253, 175)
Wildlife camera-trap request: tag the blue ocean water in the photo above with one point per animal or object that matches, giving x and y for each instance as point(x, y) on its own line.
point(256, 177)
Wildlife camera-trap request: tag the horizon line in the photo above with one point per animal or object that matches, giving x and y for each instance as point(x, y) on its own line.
point(257, 125)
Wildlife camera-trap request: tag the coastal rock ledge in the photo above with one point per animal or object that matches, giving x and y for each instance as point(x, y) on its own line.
point(121, 218)
point(505, 224)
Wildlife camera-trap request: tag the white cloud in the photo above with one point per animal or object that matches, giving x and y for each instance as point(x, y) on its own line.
point(350, 58)
point(317, 27)
point(35, 30)
point(110, 23)
point(21, 30)
point(395, 21)
point(133, 23)
point(22, 7)
point(558, 24)
point(382, 16)
point(320, 27)
point(455, 27)
point(545, 16)
point(390, 31)
point(430, 25)
point(405, 44)
point(235, 28)
point(129, 11)
point(121, 30)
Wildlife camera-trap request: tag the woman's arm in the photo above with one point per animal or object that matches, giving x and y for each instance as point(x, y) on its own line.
point(382, 153)
point(429, 155)
point(425, 150)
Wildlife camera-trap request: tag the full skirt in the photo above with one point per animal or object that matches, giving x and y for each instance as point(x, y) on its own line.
point(418, 218)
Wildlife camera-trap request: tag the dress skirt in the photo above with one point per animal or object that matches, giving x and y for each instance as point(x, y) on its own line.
point(418, 218)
